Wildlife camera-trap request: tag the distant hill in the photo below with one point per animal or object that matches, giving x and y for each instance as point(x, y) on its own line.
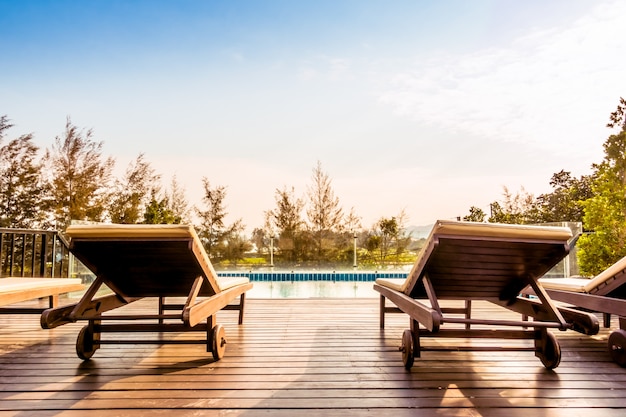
point(419, 232)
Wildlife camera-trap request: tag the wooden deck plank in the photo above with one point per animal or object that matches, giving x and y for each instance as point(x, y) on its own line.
point(301, 358)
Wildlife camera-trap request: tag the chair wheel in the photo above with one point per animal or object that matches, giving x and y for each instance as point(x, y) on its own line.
point(218, 343)
point(617, 346)
point(549, 351)
point(408, 349)
point(85, 347)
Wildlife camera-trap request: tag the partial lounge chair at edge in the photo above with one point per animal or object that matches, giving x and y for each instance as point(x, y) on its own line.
point(17, 290)
point(137, 261)
point(479, 261)
point(604, 293)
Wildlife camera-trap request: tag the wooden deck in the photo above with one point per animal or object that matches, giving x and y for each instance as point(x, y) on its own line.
point(299, 357)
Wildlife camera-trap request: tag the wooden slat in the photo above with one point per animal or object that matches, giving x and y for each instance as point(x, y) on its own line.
point(301, 358)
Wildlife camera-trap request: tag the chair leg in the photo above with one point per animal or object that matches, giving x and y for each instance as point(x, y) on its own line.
point(382, 311)
point(242, 302)
point(417, 344)
point(210, 322)
point(161, 309)
point(607, 320)
point(53, 300)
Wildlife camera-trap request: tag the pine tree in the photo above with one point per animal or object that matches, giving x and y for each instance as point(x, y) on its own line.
point(80, 176)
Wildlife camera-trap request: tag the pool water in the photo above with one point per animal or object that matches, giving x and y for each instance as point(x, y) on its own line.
point(312, 289)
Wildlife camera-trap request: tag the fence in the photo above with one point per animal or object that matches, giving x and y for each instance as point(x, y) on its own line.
point(33, 253)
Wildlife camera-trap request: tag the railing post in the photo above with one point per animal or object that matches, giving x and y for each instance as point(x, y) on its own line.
point(32, 254)
point(62, 260)
point(42, 254)
point(23, 255)
point(54, 254)
point(1, 253)
point(12, 255)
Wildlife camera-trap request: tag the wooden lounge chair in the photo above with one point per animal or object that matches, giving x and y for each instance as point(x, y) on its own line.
point(604, 293)
point(137, 261)
point(478, 261)
point(17, 290)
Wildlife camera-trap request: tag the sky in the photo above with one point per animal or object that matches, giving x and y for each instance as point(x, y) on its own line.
point(426, 107)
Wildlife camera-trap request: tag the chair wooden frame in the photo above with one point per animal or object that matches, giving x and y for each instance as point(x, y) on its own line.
point(139, 261)
point(492, 262)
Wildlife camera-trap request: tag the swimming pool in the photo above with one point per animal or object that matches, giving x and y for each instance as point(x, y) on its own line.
point(297, 276)
point(314, 284)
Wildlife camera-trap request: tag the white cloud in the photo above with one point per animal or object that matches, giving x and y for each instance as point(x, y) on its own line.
point(339, 69)
point(307, 74)
point(326, 68)
point(553, 88)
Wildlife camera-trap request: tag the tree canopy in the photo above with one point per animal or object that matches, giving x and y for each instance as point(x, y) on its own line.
point(605, 210)
point(79, 175)
point(324, 212)
point(23, 192)
point(132, 193)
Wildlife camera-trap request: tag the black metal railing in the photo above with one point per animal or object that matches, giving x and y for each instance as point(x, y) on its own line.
point(33, 253)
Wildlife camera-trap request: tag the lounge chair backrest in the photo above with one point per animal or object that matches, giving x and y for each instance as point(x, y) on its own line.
point(485, 259)
point(161, 257)
point(606, 281)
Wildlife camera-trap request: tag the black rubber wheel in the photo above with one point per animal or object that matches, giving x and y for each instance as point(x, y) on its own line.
point(550, 351)
point(84, 344)
point(408, 349)
point(218, 345)
point(617, 346)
